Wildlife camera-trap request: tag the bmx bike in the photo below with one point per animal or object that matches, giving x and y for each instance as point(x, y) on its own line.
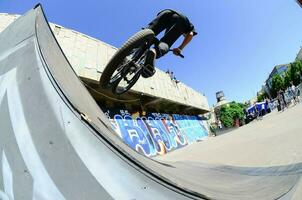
point(128, 63)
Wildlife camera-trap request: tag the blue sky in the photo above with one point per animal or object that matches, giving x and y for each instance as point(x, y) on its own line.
point(238, 44)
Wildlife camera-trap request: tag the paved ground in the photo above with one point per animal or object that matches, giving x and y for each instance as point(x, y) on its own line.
point(274, 140)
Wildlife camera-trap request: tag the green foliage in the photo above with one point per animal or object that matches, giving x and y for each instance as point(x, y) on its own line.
point(277, 84)
point(287, 79)
point(299, 65)
point(242, 105)
point(230, 112)
point(294, 72)
point(261, 96)
point(291, 75)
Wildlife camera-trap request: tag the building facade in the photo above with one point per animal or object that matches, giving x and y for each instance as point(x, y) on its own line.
point(280, 70)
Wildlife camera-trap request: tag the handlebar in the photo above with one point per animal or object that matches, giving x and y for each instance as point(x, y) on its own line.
point(180, 55)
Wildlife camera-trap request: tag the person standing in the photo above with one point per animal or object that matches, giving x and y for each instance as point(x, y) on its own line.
point(293, 91)
point(219, 124)
point(281, 100)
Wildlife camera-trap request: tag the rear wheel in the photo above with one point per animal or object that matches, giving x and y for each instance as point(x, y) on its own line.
point(124, 66)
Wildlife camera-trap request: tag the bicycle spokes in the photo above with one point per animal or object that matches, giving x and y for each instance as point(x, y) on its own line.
point(130, 69)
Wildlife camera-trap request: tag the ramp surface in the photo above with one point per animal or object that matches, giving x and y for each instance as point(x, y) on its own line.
point(56, 143)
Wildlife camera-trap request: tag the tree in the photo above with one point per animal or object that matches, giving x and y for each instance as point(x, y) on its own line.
point(299, 67)
point(294, 72)
point(299, 64)
point(261, 96)
point(230, 112)
point(277, 84)
point(287, 79)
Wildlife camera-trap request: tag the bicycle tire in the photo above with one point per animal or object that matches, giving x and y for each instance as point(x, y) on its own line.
point(133, 42)
point(115, 89)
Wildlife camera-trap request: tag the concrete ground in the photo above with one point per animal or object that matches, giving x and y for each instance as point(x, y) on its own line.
point(275, 140)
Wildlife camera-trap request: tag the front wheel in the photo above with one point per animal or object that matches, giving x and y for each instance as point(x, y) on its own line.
point(125, 83)
point(125, 63)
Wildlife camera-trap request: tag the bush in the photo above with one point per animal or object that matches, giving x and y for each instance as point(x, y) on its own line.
point(262, 96)
point(230, 112)
point(294, 72)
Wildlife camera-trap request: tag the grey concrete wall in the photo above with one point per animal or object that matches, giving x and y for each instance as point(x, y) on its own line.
point(89, 56)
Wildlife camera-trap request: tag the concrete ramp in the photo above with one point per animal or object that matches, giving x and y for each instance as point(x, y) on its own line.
point(56, 143)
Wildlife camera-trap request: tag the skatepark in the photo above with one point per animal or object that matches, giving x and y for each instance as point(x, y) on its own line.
point(58, 143)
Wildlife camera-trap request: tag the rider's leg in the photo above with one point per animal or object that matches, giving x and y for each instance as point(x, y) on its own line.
point(149, 69)
point(160, 23)
point(174, 25)
point(174, 29)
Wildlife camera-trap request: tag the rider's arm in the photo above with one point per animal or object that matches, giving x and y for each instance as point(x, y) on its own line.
point(187, 39)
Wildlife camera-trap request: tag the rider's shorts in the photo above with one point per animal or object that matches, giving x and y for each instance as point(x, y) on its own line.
point(174, 25)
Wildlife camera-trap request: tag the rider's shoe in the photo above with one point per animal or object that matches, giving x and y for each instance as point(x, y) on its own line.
point(149, 69)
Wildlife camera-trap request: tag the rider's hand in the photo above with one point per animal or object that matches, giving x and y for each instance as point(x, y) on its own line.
point(177, 51)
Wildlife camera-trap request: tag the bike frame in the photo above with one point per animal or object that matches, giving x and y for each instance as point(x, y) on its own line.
point(134, 65)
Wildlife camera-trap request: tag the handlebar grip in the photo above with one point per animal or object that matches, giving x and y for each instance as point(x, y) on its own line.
point(182, 56)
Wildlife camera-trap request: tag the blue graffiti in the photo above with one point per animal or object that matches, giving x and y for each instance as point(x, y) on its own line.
point(156, 133)
point(191, 127)
point(133, 135)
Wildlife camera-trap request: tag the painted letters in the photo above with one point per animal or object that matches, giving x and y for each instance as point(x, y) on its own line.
point(156, 133)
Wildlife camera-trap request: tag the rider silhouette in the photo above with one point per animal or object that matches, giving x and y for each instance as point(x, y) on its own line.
point(175, 24)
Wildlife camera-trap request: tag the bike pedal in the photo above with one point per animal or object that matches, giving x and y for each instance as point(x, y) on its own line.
point(148, 71)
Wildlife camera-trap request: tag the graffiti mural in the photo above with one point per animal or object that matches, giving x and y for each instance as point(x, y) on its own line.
point(154, 133)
